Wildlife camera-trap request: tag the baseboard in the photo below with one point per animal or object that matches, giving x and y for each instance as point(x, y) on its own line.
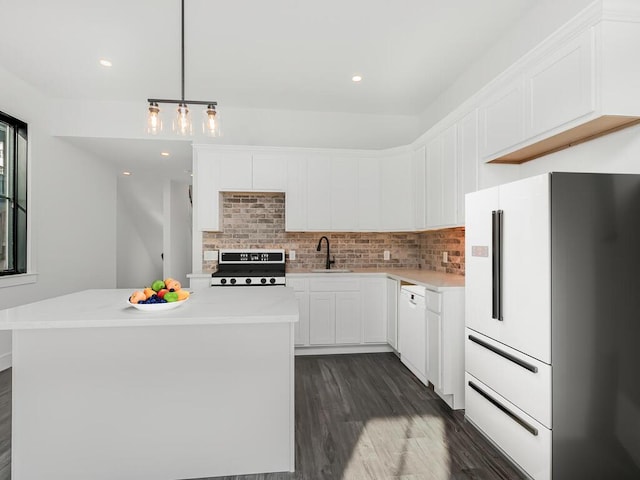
point(5, 361)
point(343, 349)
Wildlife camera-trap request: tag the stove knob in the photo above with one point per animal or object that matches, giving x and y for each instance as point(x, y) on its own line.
point(272, 281)
point(263, 281)
point(233, 281)
point(223, 281)
point(248, 280)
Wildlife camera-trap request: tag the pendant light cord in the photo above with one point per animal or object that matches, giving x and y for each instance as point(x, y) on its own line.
point(182, 98)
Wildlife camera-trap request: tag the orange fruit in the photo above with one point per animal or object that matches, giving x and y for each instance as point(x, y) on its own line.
point(183, 294)
point(148, 292)
point(137, 296)
point(173, 284)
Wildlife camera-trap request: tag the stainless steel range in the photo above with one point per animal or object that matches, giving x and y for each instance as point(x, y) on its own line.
point(250, 268)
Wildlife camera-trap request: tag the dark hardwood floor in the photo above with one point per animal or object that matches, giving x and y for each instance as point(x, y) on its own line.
point(366, 417)
point(360, 417)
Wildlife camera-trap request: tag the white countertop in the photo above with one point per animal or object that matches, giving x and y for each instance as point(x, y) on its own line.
point(109, 308)
point(432, 280)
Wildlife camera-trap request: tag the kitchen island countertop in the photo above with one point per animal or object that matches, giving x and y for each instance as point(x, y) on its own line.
point(109, 308)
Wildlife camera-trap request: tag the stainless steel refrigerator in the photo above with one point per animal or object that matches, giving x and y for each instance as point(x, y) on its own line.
point(553, 323)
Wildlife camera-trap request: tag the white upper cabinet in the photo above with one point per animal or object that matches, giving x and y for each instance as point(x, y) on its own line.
point(344, 194)
point(441, 179)
point(318, 194)
point(467, 170)
point(369, 194)
point(418, 165)
point(269, 172)
point(234, 171)
point(397, 199)
point(206, 193)
point(295, 200)
point(502, 120)
point(559, 87)
point(578, 84)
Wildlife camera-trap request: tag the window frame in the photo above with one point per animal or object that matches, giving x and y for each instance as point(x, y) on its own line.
point(20, 227)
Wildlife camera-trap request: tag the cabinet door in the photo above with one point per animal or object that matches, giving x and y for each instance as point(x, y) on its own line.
point(206, 194)
point(322, 318)
point(301, 329)
point(449, 175)
point(368, 194)
point(559, 88)
point(397, 204)
point(434, 182)
point(418, 165)
point(526, 270)
point(295, 199)
point(467, 174)
point(392, 312)
point(502, 121)
point(434, 349)
point(318, 194)
point(269, 172)
point(348, 318)
point(374, 310)
point(235, 171)
point(344, 194)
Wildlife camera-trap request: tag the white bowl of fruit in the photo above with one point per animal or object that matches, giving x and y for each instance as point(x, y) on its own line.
point(161, 295)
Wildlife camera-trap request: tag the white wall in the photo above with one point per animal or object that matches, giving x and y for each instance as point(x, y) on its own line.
point(71, 209)
point(139, 231)
point(241, 126)
point(177, 231)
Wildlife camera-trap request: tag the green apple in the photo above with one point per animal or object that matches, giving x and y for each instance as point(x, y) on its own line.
point(157, 285)
point(171, 296)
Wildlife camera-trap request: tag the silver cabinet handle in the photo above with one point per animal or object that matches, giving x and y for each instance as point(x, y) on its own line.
point(528, 427)
point(508, 356)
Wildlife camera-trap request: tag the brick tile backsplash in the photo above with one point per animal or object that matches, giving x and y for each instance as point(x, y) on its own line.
point(256, 220)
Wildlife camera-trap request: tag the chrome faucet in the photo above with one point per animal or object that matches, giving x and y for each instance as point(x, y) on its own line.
point(329, 262)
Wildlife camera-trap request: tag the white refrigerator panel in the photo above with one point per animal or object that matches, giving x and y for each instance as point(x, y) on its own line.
point(524, 288)
point(526, 272)
point(479, 259)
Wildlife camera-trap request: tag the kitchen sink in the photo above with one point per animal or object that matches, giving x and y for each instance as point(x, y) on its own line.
point(331, 270)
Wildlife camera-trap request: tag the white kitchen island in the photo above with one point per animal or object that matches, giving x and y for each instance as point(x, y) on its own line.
point(103, 391)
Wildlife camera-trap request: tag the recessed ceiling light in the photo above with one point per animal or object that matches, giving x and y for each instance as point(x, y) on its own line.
point(357, 78)
point(164, 154)
point(126, 173)
point(105, 63)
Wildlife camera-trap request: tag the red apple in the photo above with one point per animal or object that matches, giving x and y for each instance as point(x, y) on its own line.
point(162, 291)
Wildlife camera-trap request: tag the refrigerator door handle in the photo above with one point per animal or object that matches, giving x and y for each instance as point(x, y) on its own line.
point(496, 253)
point(508, 356)
point(528, 427)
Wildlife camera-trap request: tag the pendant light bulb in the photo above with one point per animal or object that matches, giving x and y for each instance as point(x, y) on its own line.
point(154, 122)
point(182, 122)
point(211, 122)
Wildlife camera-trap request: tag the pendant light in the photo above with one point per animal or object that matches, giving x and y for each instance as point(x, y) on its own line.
point(182, 123)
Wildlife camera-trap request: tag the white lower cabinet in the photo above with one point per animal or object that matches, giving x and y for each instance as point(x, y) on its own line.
point(301, 329)
point(344, 310)
point(322, 318)
point(393, 289)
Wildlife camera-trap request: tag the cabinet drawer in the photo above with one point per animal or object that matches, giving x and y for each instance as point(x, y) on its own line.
point(523, 380)
point(298, 284)
point(334, 284)
point(432, 301)
point(521, 437)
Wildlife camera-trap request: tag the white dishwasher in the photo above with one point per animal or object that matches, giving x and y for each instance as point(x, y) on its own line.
point(412, 329)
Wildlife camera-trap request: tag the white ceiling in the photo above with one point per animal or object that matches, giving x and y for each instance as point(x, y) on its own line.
point(273, 54)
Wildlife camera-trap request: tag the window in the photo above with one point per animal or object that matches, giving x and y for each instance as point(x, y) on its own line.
point(13, 195)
